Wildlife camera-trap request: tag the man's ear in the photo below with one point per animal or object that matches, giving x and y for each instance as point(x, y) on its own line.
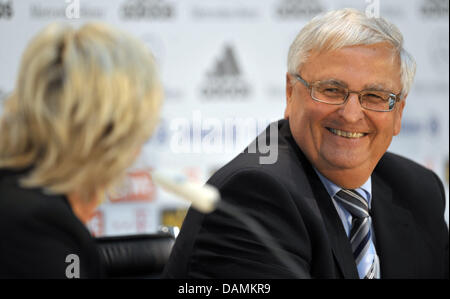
point(289, 87)
point(289, 90)
point(398, 116)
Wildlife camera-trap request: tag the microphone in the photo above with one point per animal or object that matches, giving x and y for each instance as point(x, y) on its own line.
point(206, 199)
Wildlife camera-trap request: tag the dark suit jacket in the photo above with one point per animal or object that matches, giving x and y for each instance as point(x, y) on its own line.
point(291, 203)
point(38, 232)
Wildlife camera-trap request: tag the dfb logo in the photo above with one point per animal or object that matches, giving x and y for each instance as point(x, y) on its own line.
point(6, 10)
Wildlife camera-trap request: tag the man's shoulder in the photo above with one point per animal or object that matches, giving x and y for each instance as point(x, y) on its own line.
point(284, 163)
point(401, 168)
point(411, 181)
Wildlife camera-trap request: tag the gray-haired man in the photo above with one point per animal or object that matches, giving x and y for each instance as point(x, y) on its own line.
point(336, 203)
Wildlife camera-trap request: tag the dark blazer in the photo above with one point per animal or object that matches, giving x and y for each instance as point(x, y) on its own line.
point(38, 232)
point(291, 203)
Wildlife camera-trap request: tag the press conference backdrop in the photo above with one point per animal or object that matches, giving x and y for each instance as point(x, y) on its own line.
point(223, 65)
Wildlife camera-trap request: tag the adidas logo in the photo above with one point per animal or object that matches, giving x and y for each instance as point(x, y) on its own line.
point(290, 9)
point(146, 9)
point(434, 8)
point(226, 66)
point(225, 80)
point(6, 10)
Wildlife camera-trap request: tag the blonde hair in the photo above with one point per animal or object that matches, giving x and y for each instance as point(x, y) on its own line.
point(85, 101)
point(348, 27)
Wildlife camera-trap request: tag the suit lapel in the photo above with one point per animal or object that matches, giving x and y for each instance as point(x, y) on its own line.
point(339, 242)
point(394, 240)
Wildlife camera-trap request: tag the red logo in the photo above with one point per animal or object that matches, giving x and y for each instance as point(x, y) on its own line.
point(137, 186)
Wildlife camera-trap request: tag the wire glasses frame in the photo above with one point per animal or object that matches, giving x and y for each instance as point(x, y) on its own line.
point(363, 96)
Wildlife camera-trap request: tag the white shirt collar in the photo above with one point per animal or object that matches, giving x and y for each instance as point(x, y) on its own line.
point(365, 189)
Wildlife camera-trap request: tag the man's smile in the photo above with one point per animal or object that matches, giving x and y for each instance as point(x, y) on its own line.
point(346, 134)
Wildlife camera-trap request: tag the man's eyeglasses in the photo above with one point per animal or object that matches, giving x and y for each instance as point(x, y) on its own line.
point(335, 94)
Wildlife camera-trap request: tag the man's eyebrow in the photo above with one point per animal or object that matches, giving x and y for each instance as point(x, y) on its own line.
point(370, 86)
point(334, 81)
point(377, 86)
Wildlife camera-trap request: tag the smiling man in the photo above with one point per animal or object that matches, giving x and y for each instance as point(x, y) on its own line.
point(345, 139)
point(335, 204)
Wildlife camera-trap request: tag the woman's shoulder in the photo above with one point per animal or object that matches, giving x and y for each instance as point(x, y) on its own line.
point(39, 230)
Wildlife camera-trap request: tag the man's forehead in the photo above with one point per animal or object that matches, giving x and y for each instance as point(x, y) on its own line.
point(388, 85)
point(383, 48)
point(379, 63)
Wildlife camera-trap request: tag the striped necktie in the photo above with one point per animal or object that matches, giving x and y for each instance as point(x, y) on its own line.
point(360, 233)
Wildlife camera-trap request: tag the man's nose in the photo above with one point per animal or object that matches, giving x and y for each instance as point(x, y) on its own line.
point(352, 111)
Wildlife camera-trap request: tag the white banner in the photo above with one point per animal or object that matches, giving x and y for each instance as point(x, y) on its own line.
point(223, 65)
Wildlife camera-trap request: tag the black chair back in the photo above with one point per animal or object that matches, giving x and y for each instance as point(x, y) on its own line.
point(135, 256)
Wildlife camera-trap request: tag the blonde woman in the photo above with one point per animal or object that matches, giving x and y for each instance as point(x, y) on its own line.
point(85, 102)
